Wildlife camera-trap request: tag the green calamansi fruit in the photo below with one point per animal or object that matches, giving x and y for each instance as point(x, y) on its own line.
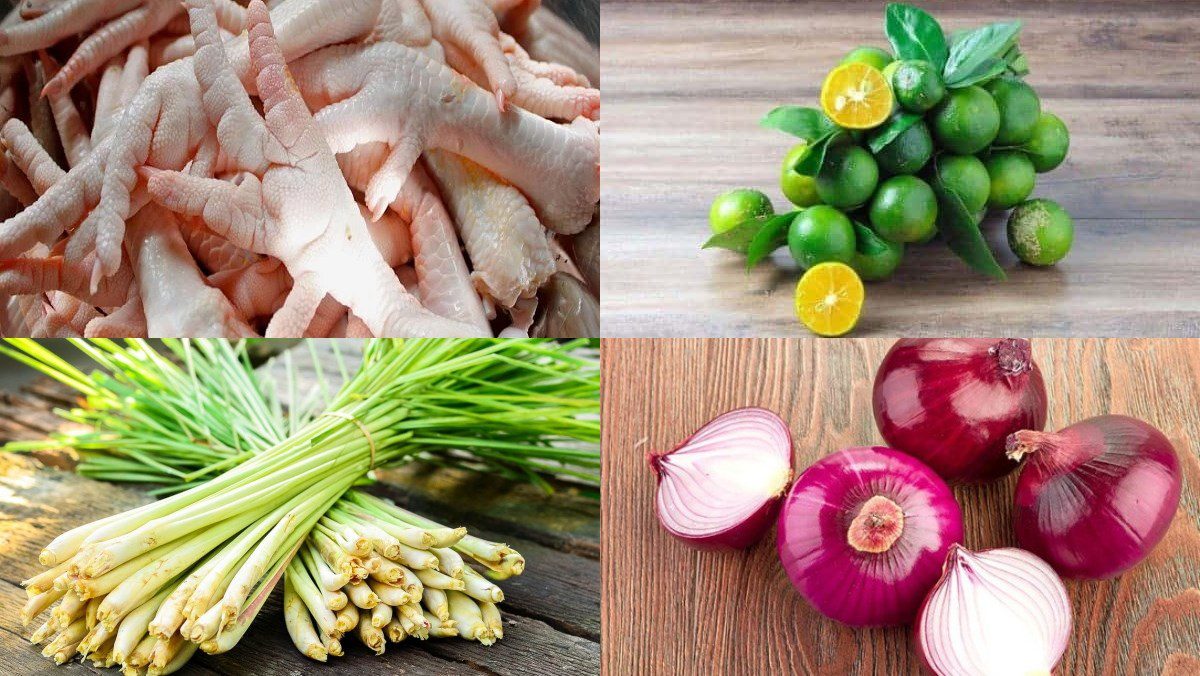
point(820, 234)
point(732, 208)
point(1019, 108)
point(917, 85)
point(966, 121)
point(875, 258)
point(908, 152)
point(800, 190)
point(904, 209)
point(1047, 148)
point(889, 71)
point(1040, 232)
point(848, 176)
point(965, 176)
point(872, 56)
point(1012, 177)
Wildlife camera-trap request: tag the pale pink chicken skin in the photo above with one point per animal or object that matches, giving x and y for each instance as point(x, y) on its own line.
point(430, 106)
point(292, 202)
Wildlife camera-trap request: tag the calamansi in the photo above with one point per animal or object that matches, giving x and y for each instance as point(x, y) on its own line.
point(829, 298)
point(855, 96)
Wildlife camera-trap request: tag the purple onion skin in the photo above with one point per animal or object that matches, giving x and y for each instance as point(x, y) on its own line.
point(855, 587)
point(1098, 504)
point(951, 403)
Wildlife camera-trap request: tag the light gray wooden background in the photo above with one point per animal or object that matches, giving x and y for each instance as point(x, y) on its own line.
point(685, 85)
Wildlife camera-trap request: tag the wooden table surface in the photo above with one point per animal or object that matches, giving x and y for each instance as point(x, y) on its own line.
point(669, 609)
point(685, 86)
point(552, 611)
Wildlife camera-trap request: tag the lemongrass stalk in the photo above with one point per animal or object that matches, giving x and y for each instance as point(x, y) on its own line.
point(371, 637)
point(64, 582)
point(381, 615)
point(432, 578)
point(140, 657)
point(338, 559)
point(388, 572)
point(403, 533)
point(435, 601)
point(36, 605)
point(361, 595)
point(416, 559)
point(347, 618)
point(90, 588)
point(381, 541)
point(299, 624)
point(420, 626)
point(70, 636)
point(43, 632)
point(449, 562)
point(480, 589)
point(135, 625)
point(333, 647)
point(491, 617)
point(389, 595)
point(165, 650)
point(69, 609)
point(347, 537)
point(370, 564)
point(145, 583)
point(320, 570)
point(334, 601)
point(468, 618)
point(229, 638)
point(44, 581)
point(306, 589)
point(180, 658)
point(89, 614)
point(411, 584)
point(440, 630)
point(395, 630)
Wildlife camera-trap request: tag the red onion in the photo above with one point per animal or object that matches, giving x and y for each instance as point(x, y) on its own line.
point(1096, 497)
point(863, 534)
point(721, 486)
point(952, 402)
point(1000, 611)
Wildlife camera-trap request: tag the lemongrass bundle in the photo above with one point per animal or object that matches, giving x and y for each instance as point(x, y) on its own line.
point(146, 588)
point(410, 579)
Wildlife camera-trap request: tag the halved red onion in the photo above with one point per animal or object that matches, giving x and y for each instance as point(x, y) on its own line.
point(721, 486)
point(999, 611)
point(863, 534)
point(1096, 497)
point(951, 402)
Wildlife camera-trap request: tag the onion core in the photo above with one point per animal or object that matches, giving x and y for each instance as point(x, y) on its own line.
point(952, 402)
point(1096, 497)
point(1000, 611)
point(721, 486)
point(864, 532)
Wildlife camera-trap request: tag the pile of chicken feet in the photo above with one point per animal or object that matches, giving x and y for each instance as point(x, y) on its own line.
point(392, 168)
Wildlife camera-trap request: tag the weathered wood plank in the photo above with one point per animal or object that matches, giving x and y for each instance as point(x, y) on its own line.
point(669, 609)
point(686, 84)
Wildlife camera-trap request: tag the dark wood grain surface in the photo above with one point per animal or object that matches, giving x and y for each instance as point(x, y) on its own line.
point(686, 84)
point(552, 611)
point(669, 609)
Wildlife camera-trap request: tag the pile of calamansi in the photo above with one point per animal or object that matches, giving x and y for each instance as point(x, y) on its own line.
point(906, 144)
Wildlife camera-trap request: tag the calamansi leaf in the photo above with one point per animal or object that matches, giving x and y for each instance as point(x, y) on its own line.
point(809, 124)
point(811, 161)
point(961, 229)
point(986, 71)
point(915, 34)
point(978, 46)
point(770, 237)
point(895, 126)
point(738, 237)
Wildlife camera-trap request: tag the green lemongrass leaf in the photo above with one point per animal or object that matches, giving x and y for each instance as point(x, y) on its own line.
point(770, 237)
point(978, 46)
point(896, 125)
point(988, 70)
point(738, 237)
point(915, 35)
point(960, 228)
point(809, 124)
point(813, 159)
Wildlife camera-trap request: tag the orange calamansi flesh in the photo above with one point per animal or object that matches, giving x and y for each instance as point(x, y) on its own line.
point(856, 96)
point(829, 299)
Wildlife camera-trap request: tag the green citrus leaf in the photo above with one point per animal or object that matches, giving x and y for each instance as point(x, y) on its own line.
point(738, 237)
point(811, 161)
point(915, 35)
point(972, 49)
point(895, 126)
point(961, 229)
point(771, 236)
point(986, 71)
point(809, 124)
